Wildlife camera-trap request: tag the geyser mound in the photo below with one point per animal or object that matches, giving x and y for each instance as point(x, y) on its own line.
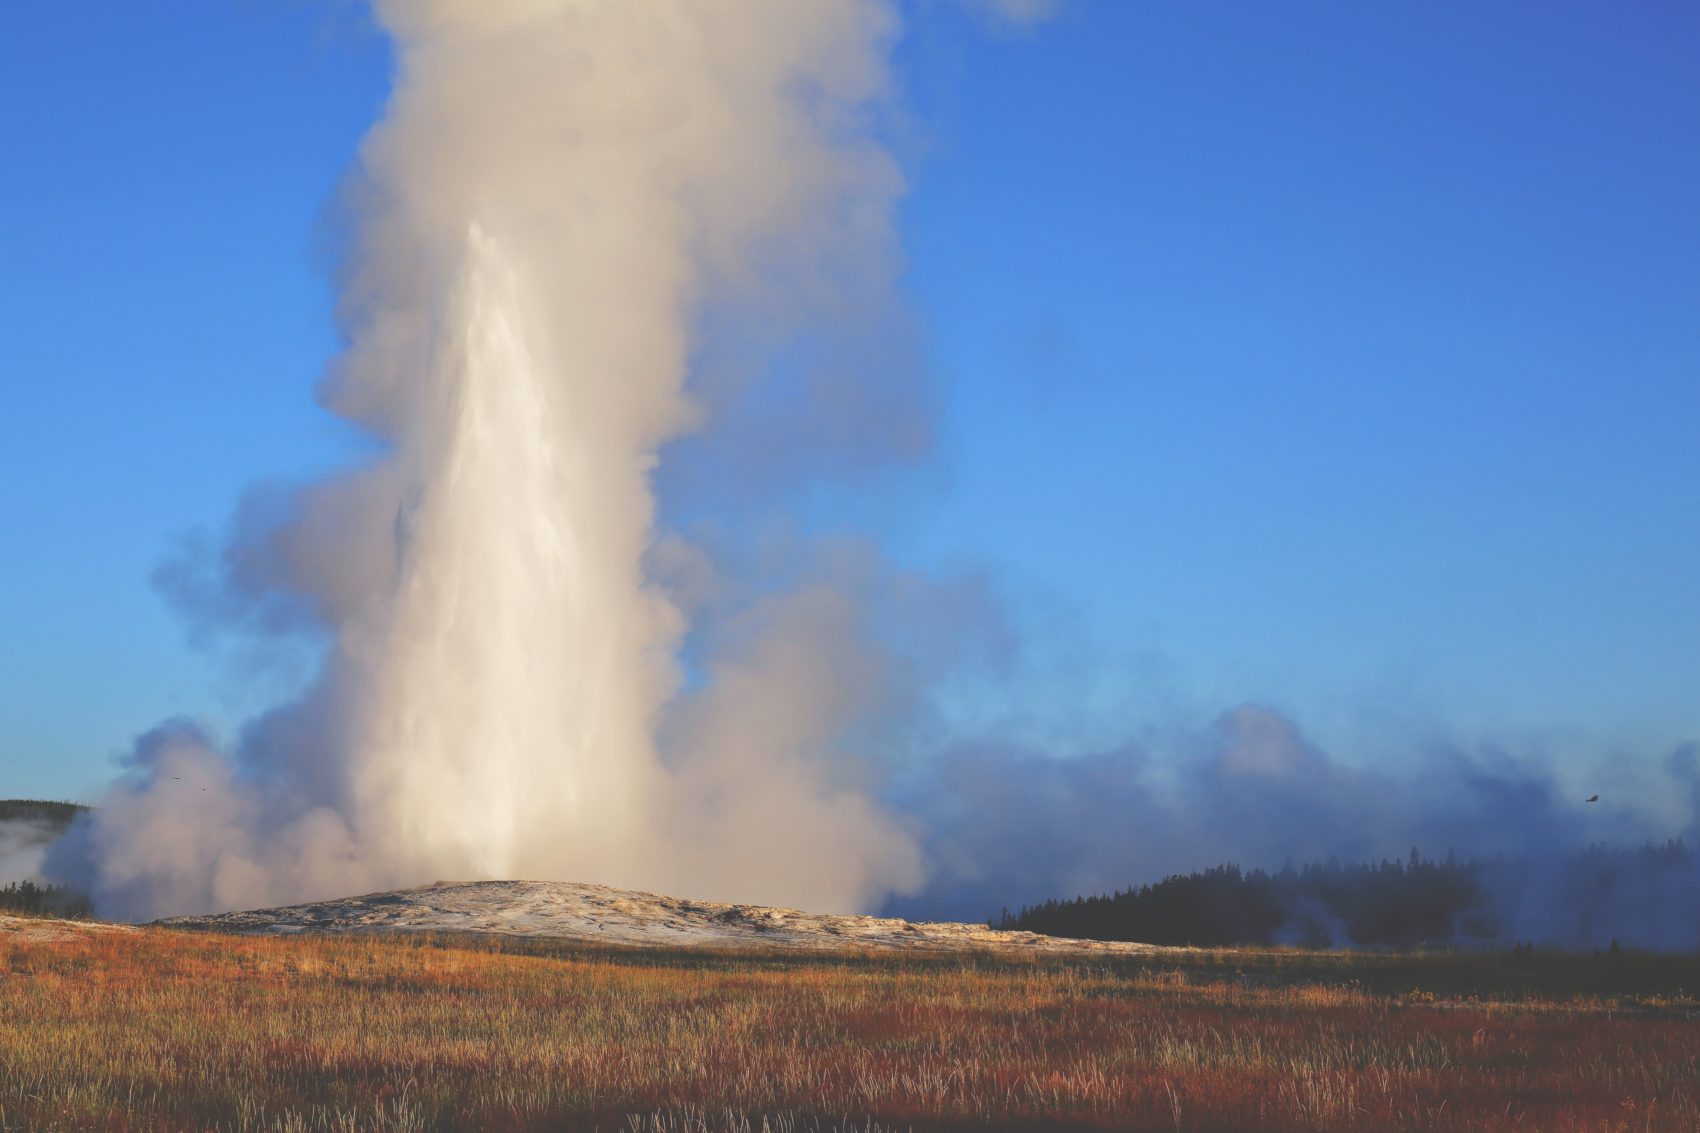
point(559, 910)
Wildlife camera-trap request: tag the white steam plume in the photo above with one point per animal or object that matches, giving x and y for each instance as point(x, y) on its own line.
point(556, 190)
point(23, 845)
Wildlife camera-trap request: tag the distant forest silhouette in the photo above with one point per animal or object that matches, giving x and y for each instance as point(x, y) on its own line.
point(40, 810)
point(1395, 904)
point(29, 898)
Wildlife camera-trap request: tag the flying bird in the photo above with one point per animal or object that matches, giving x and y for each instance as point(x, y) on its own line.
point(1592, 799)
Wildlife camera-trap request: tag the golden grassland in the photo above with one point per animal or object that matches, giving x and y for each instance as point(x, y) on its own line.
point(163, 1030)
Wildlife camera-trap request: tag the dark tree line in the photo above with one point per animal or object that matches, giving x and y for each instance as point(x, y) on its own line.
point(48, 900)
point(39, 810)
point(1389, 903)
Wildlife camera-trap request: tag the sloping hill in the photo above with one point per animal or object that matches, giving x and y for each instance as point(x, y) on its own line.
point(57, 814)
point(596, 913)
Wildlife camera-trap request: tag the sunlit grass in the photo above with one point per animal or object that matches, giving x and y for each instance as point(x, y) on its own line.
point(167, 1030)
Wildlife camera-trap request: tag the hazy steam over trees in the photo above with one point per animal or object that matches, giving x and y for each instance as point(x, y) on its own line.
point(1644, 897)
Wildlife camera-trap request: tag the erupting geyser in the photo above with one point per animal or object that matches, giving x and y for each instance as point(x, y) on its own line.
point(496, 684)
point(556, 191)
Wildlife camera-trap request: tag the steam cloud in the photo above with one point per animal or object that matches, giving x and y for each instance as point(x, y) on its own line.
point(561, 197)
point(23, 847)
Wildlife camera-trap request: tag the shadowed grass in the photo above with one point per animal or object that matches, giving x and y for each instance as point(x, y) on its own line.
point(177, 1031)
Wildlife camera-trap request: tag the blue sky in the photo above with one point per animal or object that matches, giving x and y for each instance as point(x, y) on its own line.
point(1344, 358)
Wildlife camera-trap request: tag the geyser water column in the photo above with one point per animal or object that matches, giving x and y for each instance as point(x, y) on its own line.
point(496, 704)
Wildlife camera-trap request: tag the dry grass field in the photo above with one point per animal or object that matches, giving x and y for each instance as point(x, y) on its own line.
point(164, 1030)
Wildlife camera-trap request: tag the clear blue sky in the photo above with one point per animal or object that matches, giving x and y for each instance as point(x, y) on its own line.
point(1342, 357)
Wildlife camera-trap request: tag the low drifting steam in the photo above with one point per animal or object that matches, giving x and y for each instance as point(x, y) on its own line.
point(1011, 827)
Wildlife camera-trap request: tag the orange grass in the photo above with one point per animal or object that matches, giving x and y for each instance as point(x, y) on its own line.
point(178, 1031)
